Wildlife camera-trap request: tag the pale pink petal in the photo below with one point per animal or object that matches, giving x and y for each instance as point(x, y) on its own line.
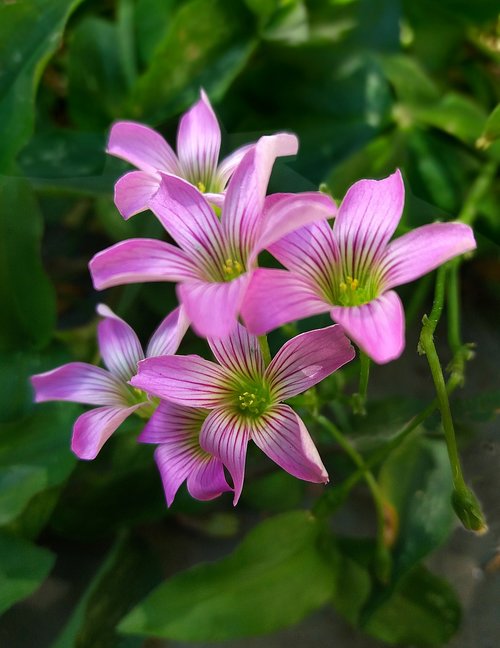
point(216, 199)
point(93, 429)
point(198, 142)
point(276, 297)
point(229, 164)
point(133, 191)
point(225, 436)
point(79, 382)
point(213, 308)
point(378, 328)
point(141, 146)
point(175, 463)
point(168, 336)
point(307, 359)
point(138, 260)
point(424, 249)
point(185, 380)
point(119, 345)
point(171, 423)
point(284, 438)
point(207, 480)
point(239, 352)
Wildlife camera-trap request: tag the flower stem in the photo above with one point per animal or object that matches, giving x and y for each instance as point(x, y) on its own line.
point(264, 346)
point(481, 186)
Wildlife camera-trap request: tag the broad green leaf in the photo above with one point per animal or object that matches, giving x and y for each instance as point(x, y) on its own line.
point(281, 21)
point(18, 484)
point(273, 579)
point(411, 83)
point(456, 115)
point(276, 492)
point(23, 567)
point(491, 130)
point(151, 23)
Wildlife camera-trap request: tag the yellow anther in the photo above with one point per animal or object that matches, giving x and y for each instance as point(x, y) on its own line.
point(349, 279)
point(201, 187)
point(232, 268)
point(354, 284)
point(343, 287)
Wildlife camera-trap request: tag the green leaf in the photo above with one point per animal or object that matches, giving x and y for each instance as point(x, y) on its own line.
point(18, 484)
point(456, 115)
point(151, 19)
point(411, 83)
point(273, 579)
point(23, 567)
point(276, 492)
point(30, 32)
point(491, 130)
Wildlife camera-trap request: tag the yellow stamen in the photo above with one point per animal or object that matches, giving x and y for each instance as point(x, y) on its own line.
point(343, 287)
point(201, 187)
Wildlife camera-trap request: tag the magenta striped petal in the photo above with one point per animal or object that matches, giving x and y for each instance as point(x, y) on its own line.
point(93, 429)
point(239, 352)
point(207, 481)
point(284, 438)
point(133, 191)
point(119, 345)
point(169, 334)
point(424, 249)
point(276, 297)
point(378, 327)
point(138, 260)
point(229, 164)
point(142, 146)
point(175, 463)
point(172, 423)
point(307, 359)
point(213, 308)
point(185, 380)
point(79, 382)
point(225, 436)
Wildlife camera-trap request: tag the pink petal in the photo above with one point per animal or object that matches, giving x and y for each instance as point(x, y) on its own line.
point(93, 429)
point(175, 463)
point(138, 260)
point(168, 336)
point(133, 191)
point(225, 436)
point(307, 359)
point(213, 307)
point(284, 438)
point(141, 146)
point(119, 345)
point(229, 164)
point(170, 423)
point(239, 352)
point(276, 297)
point(185, 380)
point(207, 480)
point(424, 249)
point(198, 142)
point(378, 328)
point(79, 382)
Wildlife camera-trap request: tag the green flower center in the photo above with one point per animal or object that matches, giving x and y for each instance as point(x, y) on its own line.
point(252, 400)
point(135, 396)
point(232, 268)
point(352, 293)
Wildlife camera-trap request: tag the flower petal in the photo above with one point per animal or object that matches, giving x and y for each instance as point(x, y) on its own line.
point(79, 382)
point(93, 429)
point(225, 436)
point(213, 307)
point(168, 336)
point(138, 260)
point(424, 249)
point(119, 345)
point(133, 191)
point(276, 297)
point(141, 146)
point(376, 327)
point(207, 481)
point(307, 359)
point(229, 164)
point(284, 438)
point(239, 352)
point(171, 423)
point(198, 142)
point(186, 380)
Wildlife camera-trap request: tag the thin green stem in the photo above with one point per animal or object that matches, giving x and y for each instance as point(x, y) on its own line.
point(359, 398)
point(481, 186)
point(264, 345)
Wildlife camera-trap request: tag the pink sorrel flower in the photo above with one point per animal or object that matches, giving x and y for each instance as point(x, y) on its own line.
point(216, 257)
point(179, 456)
point(198, 146)
point(352, 269)
point(81, 382)
point(245, 398)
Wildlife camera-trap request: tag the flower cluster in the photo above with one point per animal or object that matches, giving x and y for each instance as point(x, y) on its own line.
point(203, 414)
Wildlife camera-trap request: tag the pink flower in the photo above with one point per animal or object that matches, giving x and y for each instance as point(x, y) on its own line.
point(245, 398)
point(352, 269)
point(81, 382)
point(216, 257)
point(198, 146)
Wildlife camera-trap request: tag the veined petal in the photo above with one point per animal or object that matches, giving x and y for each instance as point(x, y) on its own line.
point(367, 218)
point(198, 142)
point(284, 438)
point(142, 146)
point(133, 191)
point(168, 336)
point(207, 480)
point(185, 380)
point(225, 436)
point(172, 423)
point(239, 352)
point(424, 249)
point(276, 297)
point(213, 307)
point(229, 164)
point(93, 429)
point(119, 345)
point(79, 382)
point(307, 359)
point(138, 260)
point(378, 328)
